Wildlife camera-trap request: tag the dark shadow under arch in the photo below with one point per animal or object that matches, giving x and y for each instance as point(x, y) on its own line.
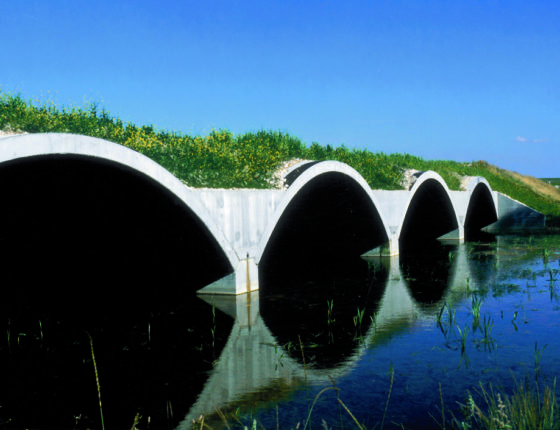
point(313, 256)
point(330, 216)
point(429, 216)
point(480, 213)
point(84, 223)
point(91, 246)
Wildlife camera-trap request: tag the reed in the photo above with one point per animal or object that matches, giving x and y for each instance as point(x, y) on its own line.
point(97, 381)
point(391, 380)
point(538, 353)
point(463, 334)
point(136, 421)
point(373, 319)
point(446, 325)
point(330, 316)
point(476, 303)
point(546, 255)
point(358, 318)
point(487, 326)
point(552, 275)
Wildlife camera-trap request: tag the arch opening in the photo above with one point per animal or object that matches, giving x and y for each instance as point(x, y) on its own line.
point(429, 216)
point(312, 257)
point(88, 244)
point(481, 212)
point(331, 217)
point(83, 222)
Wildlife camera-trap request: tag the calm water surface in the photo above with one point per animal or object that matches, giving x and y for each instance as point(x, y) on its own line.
point(385, 332)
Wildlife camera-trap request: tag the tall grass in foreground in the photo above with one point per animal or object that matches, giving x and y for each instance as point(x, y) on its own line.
point(528, 408)
point(222, 159)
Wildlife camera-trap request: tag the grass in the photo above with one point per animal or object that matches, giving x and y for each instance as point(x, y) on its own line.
point(358, 318)
point(391, 380)
point(249, 160)
point(476, 301)
point(526, 408)
point(551, 181)
point(98, 385)
point(330, 317)
point(446, 325)
point(463, 335)
point(487, 326)
point(538, 358)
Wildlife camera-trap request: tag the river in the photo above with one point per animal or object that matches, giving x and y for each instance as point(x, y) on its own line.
point(386, 342)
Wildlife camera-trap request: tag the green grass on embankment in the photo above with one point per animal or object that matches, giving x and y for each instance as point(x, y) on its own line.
point(222, 159)
point(551, 181)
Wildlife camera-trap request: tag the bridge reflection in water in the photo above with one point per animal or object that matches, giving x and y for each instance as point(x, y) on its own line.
point(262, 364)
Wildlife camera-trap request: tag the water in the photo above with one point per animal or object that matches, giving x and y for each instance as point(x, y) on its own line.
point(379, 331)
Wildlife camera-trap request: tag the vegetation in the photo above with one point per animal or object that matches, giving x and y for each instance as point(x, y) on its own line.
point(528, 407)
point(551, 181)
point(249, 160)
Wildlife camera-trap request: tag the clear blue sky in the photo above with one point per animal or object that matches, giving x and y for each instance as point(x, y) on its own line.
point(463, 80)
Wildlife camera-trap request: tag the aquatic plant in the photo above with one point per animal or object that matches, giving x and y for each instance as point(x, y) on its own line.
point(538, 357)
point(447, 325)
point(439, 315)
point(373, 319)
point(463, 335)
point(19, 336)
point(487, 326)
point(552, 275)
point(307, 421)
point(169, 413)
point(330, 317)
point(136, 421)
point(97, 381)
point(546, 255)
point(552, 289)
point(358, 318)
point(476, 303)
point(391, 380)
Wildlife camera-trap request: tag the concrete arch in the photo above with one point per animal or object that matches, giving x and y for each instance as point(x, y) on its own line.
point(36, 145)
point(305, 178)
point(430, 182)
point(482, 205)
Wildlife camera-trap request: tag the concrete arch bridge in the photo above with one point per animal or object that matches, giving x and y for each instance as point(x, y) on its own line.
point(327, 206)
